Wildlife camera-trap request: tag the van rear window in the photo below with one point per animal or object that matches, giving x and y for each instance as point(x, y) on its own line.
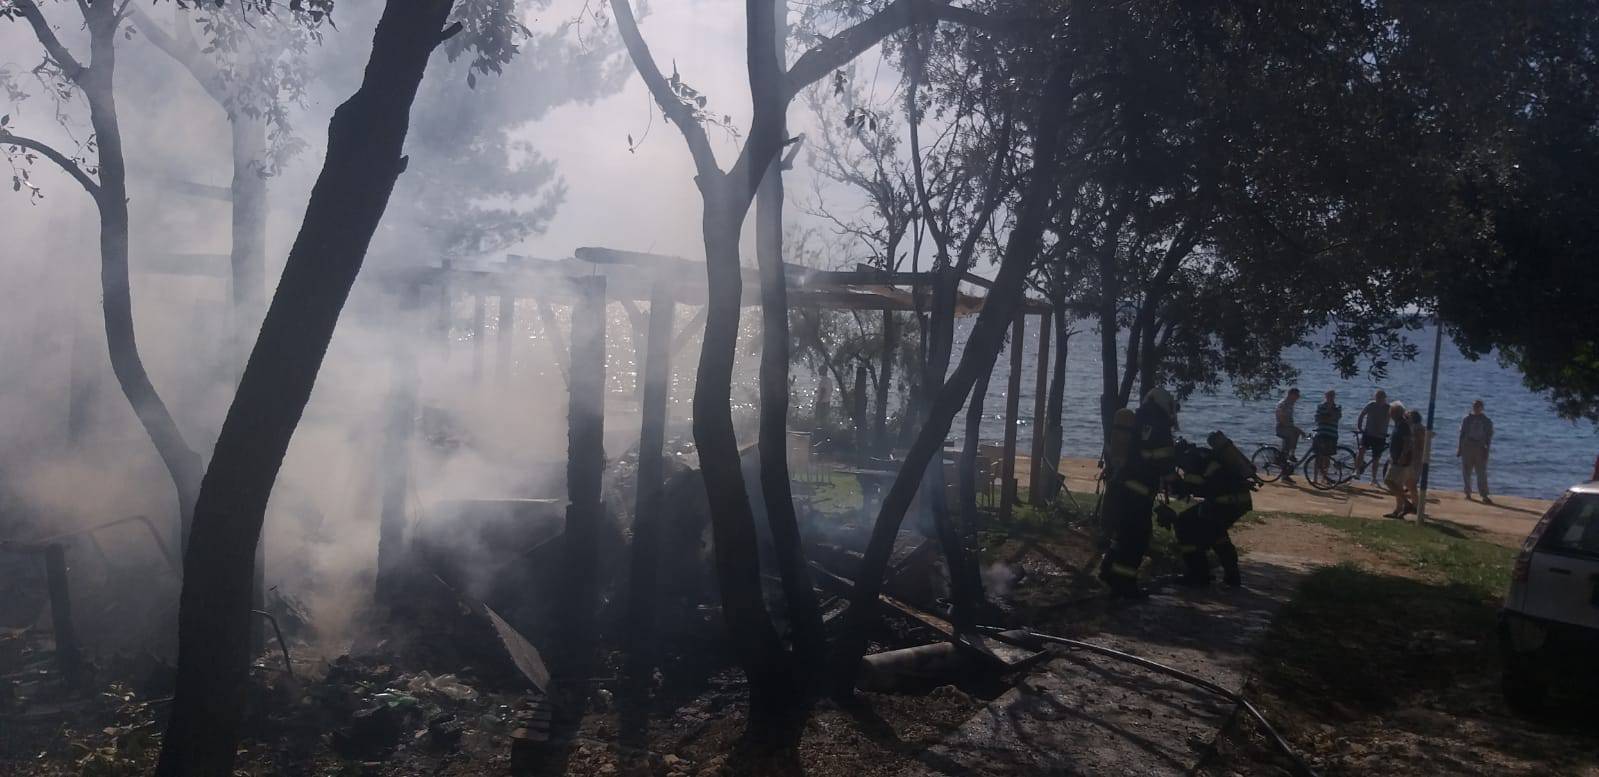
point(1575, 529)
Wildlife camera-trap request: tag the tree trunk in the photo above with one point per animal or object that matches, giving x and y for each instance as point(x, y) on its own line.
point(965, 581)
point(773, 691)
point(804, 613)
point(1147, 359)
point(181, 462)
point(966, 590)
point(1055, 431)
point(365, 138)
point(248, 254)
point(1013, 404)
point(982, 348)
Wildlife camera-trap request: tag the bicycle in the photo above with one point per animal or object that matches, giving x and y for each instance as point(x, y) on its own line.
point(1324, 471)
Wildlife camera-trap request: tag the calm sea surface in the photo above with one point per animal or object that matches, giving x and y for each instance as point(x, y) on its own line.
point(1535, 453)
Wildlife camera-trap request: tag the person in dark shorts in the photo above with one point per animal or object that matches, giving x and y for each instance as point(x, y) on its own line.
point(1289, 432)
point(1324, 440)
point(1373, 426)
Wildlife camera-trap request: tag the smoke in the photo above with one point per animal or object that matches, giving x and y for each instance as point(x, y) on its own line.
point(537, 161)
point(998, 579)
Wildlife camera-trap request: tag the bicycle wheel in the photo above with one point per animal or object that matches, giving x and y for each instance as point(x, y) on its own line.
point(1268, 463)
point(1346, 459)
point(1325, 471)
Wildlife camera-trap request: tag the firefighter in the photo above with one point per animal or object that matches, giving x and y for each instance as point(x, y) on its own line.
point(1142, 454)
point(1219, 476)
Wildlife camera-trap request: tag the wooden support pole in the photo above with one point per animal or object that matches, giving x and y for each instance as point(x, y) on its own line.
point(585, 462)
point(479, 321)
point(1042, 471)
point(695, 326)
point(395, 457)
point(1013, 404)
point(645, 563)
point(68, 657)
point(637, 324)
point(858, 413)
point(505, 339)
point(552, 333)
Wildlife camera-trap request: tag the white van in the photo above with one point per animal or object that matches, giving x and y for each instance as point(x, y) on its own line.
point(1549, 624)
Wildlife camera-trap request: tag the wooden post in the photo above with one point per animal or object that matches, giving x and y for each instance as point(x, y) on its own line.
point(885, 374)
point(1042, 470)
point(507, 338)
point(645, 563)
point(585, 461)
point(395, 458)
point(858, 413)
point(81, 379)
point(552, 333)
point(68, 658)
point(479, 319)
point(1013, 405)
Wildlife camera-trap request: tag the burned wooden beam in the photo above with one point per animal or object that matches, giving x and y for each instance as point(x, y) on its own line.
point(648, 507)
point(68, 657)
point(585, 463)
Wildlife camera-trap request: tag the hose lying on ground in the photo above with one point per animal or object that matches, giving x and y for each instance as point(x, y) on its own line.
point(1303, 768)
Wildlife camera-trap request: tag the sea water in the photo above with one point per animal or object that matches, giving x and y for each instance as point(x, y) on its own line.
point(1535, 452)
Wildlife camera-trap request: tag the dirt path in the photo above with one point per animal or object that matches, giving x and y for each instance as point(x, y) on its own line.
point(1508, 520)
point(1087, 714)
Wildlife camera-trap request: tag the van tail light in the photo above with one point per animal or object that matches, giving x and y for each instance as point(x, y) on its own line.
point(1520, 572)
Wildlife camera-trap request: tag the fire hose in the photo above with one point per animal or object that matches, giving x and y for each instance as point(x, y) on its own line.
point(1302, 767)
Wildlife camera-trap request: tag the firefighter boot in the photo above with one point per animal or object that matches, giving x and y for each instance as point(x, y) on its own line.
point(1196, 570)
point(1120, 578)
point(1228, 555)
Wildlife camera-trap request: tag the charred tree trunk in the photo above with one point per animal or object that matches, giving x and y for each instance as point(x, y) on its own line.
point(965, 579)
point(982, 348)
point(804, 613)
point(365, 138)
point(181, 462)
point(774, 694)
point(966, 591)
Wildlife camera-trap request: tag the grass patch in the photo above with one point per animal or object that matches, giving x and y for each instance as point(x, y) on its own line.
point(1353, 642)
point(1438, 550)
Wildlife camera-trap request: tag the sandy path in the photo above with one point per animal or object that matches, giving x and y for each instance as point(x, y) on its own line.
point(1508, 520)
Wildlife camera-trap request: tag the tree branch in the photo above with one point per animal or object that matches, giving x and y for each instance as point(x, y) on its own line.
point(52, 45)
point(699, 146)
point(837, 51)
point(62, 160)
point(203, 70)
